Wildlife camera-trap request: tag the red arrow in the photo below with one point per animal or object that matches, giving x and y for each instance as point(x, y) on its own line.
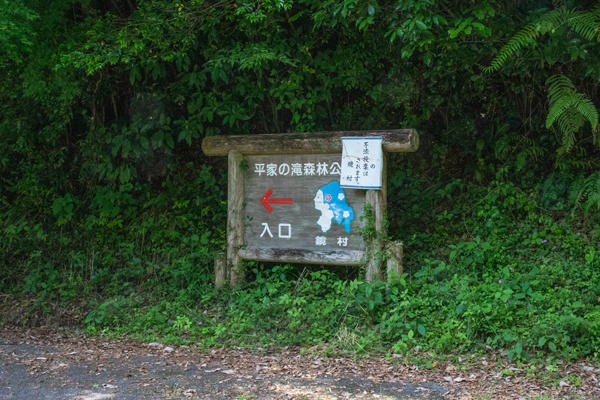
point(266, 200)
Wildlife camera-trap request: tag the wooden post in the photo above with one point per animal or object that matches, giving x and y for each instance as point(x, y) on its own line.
point(220, 269)
point(235, 212)
point(375, 245)
point(395, 252)
point(377, 199)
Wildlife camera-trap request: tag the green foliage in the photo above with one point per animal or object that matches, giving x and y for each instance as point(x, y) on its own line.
point(584, 23)
point(16, 31)
point(508, 276)
point(569, 110)
point(62, 208)
point(109, 208)
point(585, 192)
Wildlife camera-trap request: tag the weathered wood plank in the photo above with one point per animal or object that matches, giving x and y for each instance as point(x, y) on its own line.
point(301, 224)
point(395, 252)
point(220, 269)
point(375, 246)
point(394, 140)
point(302, 256)
point(377, 199)
point(235, 223)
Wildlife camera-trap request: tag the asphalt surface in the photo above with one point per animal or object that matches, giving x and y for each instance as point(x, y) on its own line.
point(33, 371)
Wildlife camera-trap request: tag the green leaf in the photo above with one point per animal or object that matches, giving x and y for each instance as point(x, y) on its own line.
point(427, 58)
point(479, 13)
point(407, 52)
point(169, 140)
point(518, 348)
point(145, 143)
point(421, 330)
point(439, 20)
point(124, 175)
point(479, 26)
point(296, 16)
point(157, 138)
point(509, 337)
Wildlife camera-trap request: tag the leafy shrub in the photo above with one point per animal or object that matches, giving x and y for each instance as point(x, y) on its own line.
point(109, 206)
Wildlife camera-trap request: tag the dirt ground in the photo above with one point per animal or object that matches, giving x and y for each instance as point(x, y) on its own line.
point(53, 364)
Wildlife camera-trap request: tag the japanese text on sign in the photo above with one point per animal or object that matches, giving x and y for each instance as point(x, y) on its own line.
point(362, 159)
point(297, 169)
point(296, 203)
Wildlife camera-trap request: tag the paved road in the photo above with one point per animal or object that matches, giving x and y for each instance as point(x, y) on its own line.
point(92, 369)
point(52, 364)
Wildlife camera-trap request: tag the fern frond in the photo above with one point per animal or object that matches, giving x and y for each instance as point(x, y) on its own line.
point(567, 163)
point(591, 192)
point(552, 20)
point(568, 141)
point(548, 22)
point(579, 151)
point(572, 112)
point(522, 39)
point(584, 165)
point(559, 107)
point(584, 24)
point(588, 110)
point(569, 123)
point(559, 86)
point(584, 192)
point(536, 152)
point(569, 110)
point(576, 191)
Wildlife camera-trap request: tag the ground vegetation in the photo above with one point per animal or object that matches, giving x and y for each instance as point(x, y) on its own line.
point(111, 215)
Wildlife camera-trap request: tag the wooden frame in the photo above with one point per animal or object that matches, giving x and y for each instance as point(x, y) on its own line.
point(394, 141)
point(228, 267)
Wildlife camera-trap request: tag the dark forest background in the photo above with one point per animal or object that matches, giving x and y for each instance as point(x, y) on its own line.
point(111, 214)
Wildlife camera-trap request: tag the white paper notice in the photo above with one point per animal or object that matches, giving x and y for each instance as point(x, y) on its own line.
point(362, 159)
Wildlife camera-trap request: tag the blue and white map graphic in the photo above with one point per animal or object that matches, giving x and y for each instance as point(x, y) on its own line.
point(330, 200)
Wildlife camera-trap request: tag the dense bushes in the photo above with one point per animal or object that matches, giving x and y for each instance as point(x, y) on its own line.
point(510, 280)
point(110, 209)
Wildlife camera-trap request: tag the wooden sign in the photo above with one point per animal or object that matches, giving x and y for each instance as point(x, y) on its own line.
point(286, 203)
point(295, 210)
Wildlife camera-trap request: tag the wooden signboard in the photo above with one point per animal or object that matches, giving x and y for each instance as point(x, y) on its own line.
point(285, 202)
point(295, 210)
